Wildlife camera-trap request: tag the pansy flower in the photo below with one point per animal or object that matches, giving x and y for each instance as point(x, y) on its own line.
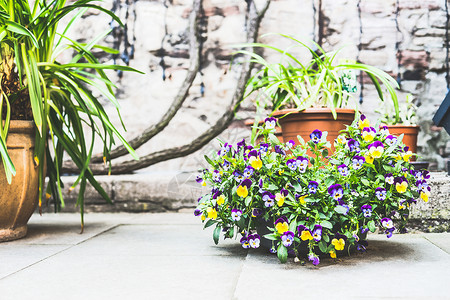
point(317, 232)
point(361, 245)
point(287, 238)
point(244, 242)
point(248, 171)
point(270, 122)
point(279, 197)
point(353, 145)
point(279, 150)
point(376, 149)
point(269, 199)
point(387, 223)
point(389, 232)
point(314, 259)
point(236, 214)
point(216, 176)
point(316, 136)
point(302, 164)
point(254, 240)
point(255, 160)
point(424, 189)
point(367, 210)
point(406, 155)
point(380, 193)
point(390, 140)
point(256, 212)
point(242, 190)
point(301, 198)
point(389, 178)
point(401, 184)
point(292, 164)
point(304, 233)
point(200, 180)
point(263, 147)
point(212, 212)
point(384, 130)
point(343, 170)
point(197, 212)
point(225, 149)
point(220, 199)
point(240, 144)
point(341, 139)
point(281, 225)
point(368, 134)
point(312, 187)
point(358, 162)
point(336, 191)
point(363, 122)
point(290, 144)
point(339, 241)
point(226, 165)
point(332, 254)
point(238, 176)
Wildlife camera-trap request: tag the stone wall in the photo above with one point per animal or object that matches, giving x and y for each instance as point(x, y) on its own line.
point(161, 48)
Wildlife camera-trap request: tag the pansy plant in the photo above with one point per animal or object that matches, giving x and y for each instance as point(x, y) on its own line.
point(309, 197)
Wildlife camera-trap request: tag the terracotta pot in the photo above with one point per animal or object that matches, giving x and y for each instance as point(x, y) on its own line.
point(18, 200)
point(302, 123)
point(259, 139)
point(410, 135)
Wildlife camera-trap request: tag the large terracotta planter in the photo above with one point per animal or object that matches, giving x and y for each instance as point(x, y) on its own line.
point(302, 123)
point(410, 134)
point(18, 200)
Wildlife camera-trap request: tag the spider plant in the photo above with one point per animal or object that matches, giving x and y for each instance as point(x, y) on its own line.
point(319, 82)
point(56, 95)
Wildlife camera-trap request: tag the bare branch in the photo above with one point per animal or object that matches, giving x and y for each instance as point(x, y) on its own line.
point(253, 21)
point(194, 54)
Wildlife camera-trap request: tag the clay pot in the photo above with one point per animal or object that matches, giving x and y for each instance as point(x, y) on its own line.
point(18, 200)
point(302, 123)
point(410, 135)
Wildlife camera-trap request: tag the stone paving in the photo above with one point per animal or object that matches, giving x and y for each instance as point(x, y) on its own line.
point(169, 256)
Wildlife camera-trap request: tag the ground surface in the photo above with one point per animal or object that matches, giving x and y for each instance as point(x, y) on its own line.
point(169, 256)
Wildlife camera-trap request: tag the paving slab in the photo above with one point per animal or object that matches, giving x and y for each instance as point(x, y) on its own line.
point(169, 256)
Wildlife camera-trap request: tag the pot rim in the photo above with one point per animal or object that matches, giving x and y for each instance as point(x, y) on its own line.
point(21, 126)
point(312, 110)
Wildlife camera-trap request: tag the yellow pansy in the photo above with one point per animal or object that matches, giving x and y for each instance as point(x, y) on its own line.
point(306, 235)
point(332, 254)
point(212, 213)
point(242, 191)
point(255, 162)
point(338, 244)
point(369, 158)
point(203, 217)
point(424, 196)
point(302, 199)
point(363, 122)
point(280, 199)
point(401, 187)
point(282, 227)
point(221, 200)
point(407, 156)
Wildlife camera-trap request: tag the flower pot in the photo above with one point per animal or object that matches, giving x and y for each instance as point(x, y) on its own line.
point(18, 200)
point(302, 123)
point(410, 135)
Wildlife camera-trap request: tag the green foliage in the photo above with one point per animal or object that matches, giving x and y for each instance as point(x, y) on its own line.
point(59, 92)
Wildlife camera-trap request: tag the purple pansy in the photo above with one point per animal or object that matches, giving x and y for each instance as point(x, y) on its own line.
point(240, 144)
point(384, 130)
point(269, 199)
point(279, 150)
point(263, 147)
point(287, 238)
point(316, 136)
point(367, 210)
point(256, 212)
point(336, 191)
point(312, 187)
point(302, 164)
point(390, 140)
point(343, 170)
point(317, 232)
point(216, 176)
point(314, 259)
point(226, 165)
point(197, 212)
point(380, 193)
point(387, 223)
point(361, 245)
point(358, 162)
point(389, 178)
point(353, 145)
point(290, 144)
point(292, 164)
point(244, 242)
point(423, 186)
point(199, 179)
point(254, 240)
point(225, 149)
point(270, 122)
point(368, 133)
point(236, 214)
point(248, 171)
point(238, 176)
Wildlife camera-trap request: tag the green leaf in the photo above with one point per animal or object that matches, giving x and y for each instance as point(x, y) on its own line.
point(282, 253)
point(326, 238)
point(17, 28)
point(248, 200)
point(323, 246)
point(271, 236)
point(210, 222)
point(326, 224)
point(216, 234)
point(365, 182)
point(209, 161)
point(371, 226)
point(340, 209)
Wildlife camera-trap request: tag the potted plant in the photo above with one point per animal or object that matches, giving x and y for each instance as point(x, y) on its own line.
point(310, 206)
point(51, 102)
point(405, 125)
point(311, 94)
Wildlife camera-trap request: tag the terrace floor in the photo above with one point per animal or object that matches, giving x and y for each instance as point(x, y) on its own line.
point(169, 256)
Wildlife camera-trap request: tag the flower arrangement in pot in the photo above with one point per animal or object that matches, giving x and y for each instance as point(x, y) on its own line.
point(53, 99)
point(310, 206)
point(310, 94)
